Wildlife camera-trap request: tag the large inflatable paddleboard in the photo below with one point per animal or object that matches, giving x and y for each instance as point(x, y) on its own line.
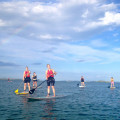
point(22, 93)
point(44, 98)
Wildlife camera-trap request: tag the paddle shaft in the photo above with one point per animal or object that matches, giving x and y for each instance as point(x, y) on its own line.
point(32, 91)
point(40, 84)
point(20, 84)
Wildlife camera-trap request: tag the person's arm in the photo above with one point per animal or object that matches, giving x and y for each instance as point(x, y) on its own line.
point(54, 72)
point(23, 76)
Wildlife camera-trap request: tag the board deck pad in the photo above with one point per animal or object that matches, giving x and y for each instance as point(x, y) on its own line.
point(22, 93)
point(45, 98)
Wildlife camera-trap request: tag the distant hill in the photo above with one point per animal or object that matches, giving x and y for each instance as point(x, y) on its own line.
point(103, 81)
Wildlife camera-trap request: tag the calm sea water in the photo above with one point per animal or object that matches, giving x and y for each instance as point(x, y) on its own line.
point(95, 102)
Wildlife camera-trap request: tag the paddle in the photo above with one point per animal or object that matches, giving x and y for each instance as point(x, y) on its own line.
point(32, 91)
point(16, 91)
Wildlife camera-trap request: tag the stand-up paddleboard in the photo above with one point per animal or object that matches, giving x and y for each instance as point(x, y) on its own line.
point(44, 98)
point(112, 87)
point(82, 86)
point(22, 93)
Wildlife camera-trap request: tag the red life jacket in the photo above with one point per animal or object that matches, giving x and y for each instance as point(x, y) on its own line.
point(26, 74)
point(50, 73)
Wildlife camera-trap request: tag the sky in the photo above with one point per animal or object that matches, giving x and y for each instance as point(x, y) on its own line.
point(76, 37)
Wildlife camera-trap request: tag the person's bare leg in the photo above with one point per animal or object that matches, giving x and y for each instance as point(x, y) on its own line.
point(113, 84)
point(53, 88)
point(29, 86)
point(24, 87)
point(36, 83)
point(33, 84)
point(48, 90)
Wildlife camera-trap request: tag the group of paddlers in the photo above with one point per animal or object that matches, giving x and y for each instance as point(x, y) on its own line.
point(49, 78)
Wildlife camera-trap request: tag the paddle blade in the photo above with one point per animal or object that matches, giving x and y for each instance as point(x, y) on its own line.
point(16, 91)
point(31, 91)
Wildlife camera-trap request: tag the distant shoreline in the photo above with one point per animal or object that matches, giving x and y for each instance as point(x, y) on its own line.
point(10, 79)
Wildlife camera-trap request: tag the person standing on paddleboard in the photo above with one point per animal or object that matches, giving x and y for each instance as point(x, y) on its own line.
point(50, 79)
point(26, 79)
point(112, 82)
point(34, 79)
point(82, 81)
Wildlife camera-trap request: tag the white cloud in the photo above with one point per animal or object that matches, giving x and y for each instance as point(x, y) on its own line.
point(58, 21)
point(85, 14)
point(46, 9)
point(2, 23)
point(111, 18)
point(98, 43)
point(49, 36)
point(117, 49)
point(88, 27)
point(109, 7)
point(115, 34)
point(74, 2)
point(63, 17)
point(88, 54)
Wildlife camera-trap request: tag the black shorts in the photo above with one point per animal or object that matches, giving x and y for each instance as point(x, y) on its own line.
point(82, 80)
point(27, 80)
point(34, 80)
point(50, 81)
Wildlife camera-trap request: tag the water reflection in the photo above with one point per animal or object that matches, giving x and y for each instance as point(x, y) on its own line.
point(48, 110)
point(42, 109)
point(26, 107)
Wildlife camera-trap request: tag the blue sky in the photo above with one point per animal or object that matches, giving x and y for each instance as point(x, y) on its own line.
point(77, 37)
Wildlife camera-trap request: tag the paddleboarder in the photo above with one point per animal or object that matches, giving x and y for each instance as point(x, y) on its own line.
point(50, 79)
point(112, 82)
point(26, 79)
point(34, 79)
point(82, 81)
point(8, 79)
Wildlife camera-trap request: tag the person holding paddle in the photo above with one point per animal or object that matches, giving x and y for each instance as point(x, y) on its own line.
point(26, 79)
point(50, 79)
